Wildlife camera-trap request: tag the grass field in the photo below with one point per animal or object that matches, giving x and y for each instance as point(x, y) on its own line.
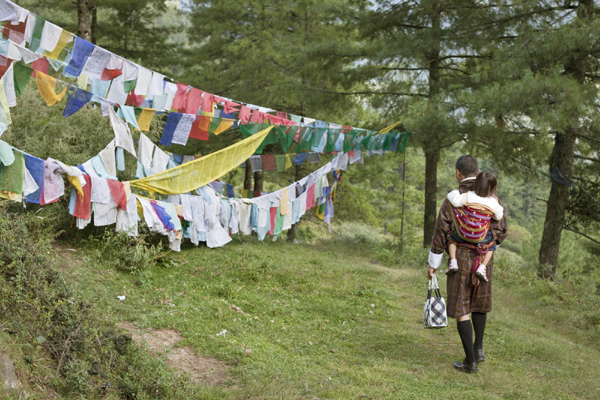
point(337, 320)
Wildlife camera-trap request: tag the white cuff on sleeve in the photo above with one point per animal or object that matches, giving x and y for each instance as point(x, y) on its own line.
point(435, 260)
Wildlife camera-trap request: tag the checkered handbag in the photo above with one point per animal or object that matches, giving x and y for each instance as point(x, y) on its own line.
point(435, 307)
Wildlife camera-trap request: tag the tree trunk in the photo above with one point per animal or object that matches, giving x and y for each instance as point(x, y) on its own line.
point(561, 161)
point(291, 235)
point(432, 153)
point(94, 25)
point(84, 21)
point(431, 162)
point(258, 181)
point(248, 176)
point(403, 197)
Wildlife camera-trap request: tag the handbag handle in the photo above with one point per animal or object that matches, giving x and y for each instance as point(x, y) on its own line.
point(434, 287)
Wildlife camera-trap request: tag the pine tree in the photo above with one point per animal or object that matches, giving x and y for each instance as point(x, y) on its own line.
point(541, 89)
point(418, 57)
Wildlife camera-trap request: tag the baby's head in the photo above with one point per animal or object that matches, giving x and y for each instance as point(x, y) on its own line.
point(485, 184)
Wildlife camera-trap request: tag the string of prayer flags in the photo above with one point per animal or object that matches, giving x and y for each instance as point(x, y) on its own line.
point(46, 85)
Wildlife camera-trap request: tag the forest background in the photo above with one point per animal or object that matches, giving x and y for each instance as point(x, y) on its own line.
point(511, 82)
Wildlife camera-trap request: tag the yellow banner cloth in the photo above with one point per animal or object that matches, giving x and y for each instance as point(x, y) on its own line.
point(194, 174)
point(46, 85)
point(145, 119)
point(64, 38)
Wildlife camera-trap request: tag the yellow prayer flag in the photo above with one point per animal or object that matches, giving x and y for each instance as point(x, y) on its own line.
point(76, 184)
point(82, 81)
point(145, 119)
point(64, 38)
point(4, 102)
point(389, 128)
point(284, 206)
point(194, 174)
point(245, 193)
point(288, 161)
point(46, 85)
point(223, 126)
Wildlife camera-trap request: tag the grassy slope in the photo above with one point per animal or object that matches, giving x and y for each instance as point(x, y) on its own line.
point(310, 329)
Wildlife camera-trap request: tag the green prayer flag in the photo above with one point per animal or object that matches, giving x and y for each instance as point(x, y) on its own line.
point(128, 86)
point(332, 137)
point(280, 160)
point(11, 177)
point(22, 74)
point(288, 139)
point(305, 140)
point(278, 222)
point(36, 38)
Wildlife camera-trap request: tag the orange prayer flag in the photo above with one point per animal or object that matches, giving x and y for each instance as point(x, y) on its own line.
point(46, 85)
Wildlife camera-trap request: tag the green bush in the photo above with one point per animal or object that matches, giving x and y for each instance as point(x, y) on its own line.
point(91, 357)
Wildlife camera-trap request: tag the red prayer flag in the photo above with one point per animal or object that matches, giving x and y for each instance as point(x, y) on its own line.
point(180, 99)
point(134, 99)
point(200, 128)
point(118, 193)
point(273, 211)
point(244, 115)
point(207, 102)
point(282, 115)
point(4, 65)
point(41, 64)
point(83, 205)
point(268, 162)
point(15, 32)
point(110, 74)
point(194, 99)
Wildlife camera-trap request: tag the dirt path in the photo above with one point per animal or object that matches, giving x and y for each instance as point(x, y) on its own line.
point(204, 370)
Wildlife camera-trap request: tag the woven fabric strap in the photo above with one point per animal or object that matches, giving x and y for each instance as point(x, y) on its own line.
point(471, 224)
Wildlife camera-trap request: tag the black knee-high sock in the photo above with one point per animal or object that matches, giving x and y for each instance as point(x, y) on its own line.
point(465, 330)
point(479, 327)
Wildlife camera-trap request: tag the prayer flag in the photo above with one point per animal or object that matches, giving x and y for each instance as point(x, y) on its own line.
point(46, 85)
point(145, 119)
point(22, 74)
point(77, 99)
point(169, 129)
point(81, 52)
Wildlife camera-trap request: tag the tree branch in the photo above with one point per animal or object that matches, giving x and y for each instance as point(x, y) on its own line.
point(586, 158)
point(582, 234)
point(369, 93)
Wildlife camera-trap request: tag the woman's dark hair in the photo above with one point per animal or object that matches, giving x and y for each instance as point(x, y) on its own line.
point(485, 184)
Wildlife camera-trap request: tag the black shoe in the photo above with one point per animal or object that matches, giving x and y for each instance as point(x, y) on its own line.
point(451, 271)
point(479, 357)
point(464, 366)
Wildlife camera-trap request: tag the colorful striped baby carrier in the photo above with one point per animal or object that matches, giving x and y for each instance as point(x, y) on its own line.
point(471, 224)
